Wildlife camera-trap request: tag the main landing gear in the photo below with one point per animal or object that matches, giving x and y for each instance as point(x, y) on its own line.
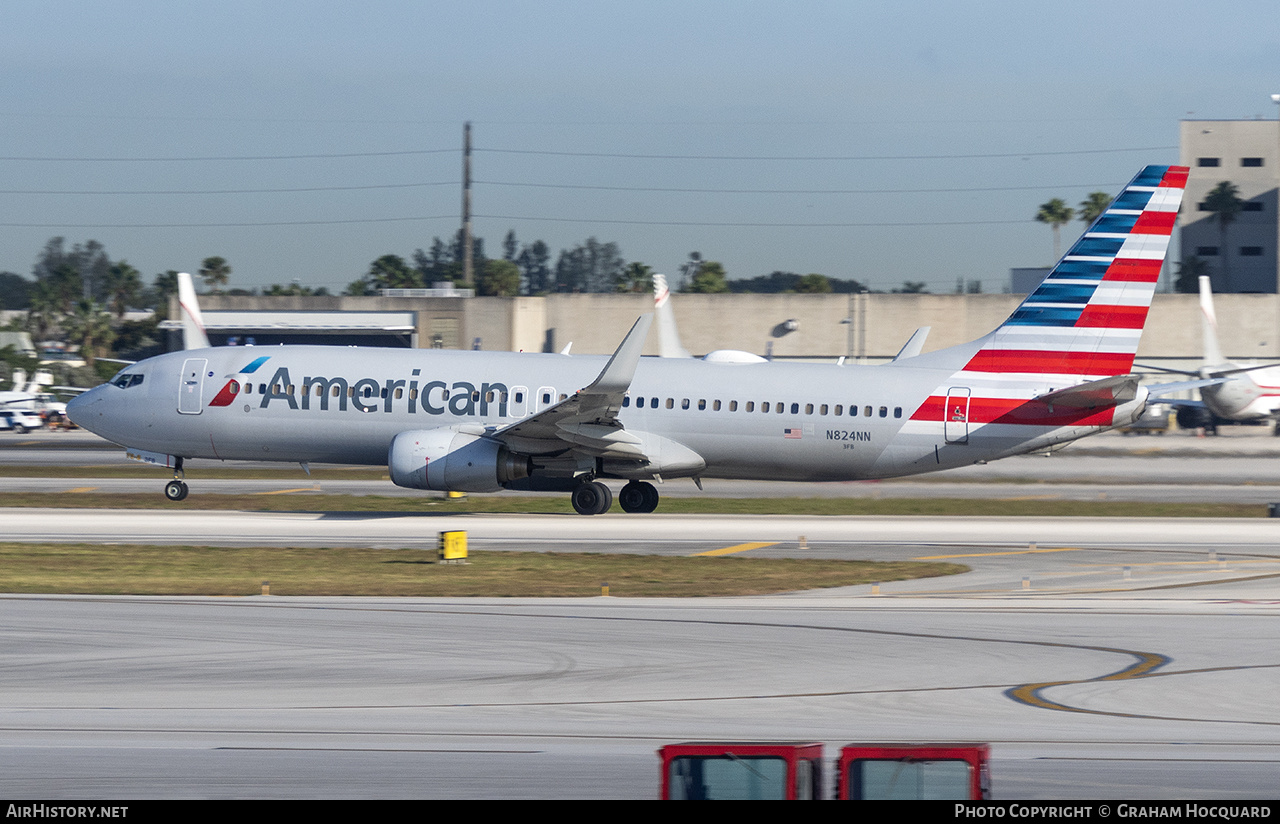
point(594, 498)
point(638, 496)
point(176, 490)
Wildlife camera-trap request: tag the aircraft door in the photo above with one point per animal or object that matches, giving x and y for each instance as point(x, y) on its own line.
point(955, 421)
point(191, 386)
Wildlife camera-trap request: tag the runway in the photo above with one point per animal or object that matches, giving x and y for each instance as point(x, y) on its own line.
point(337, 698)
point(1240, 467)
point(1101, 657)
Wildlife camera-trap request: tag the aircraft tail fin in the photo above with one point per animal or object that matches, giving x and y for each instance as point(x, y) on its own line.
point(193, 334)
point(1084, 320)
point(1209, 323)
point(669, 345)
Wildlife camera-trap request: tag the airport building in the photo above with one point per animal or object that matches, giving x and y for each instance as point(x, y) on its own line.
point(863, 327)
point(1245, 153)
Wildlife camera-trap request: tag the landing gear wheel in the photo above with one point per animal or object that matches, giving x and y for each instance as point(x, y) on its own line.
point(592, 498)
point(176, 490)
point(638, 496)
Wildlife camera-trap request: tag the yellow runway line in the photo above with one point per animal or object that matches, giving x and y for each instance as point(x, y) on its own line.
point(81, 489)
point(287, 491)
point(997, 554)
point(729, 550)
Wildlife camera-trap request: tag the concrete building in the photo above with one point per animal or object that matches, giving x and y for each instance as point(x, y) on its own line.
point(867, 327)
point(1247, 154)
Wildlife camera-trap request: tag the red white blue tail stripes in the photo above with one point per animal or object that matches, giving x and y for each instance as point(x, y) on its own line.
point(1084, 320)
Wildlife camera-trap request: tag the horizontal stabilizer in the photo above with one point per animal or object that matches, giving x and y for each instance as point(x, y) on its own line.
point(1111, 391)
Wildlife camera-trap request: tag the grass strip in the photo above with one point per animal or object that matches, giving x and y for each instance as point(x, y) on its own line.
point(126, 569)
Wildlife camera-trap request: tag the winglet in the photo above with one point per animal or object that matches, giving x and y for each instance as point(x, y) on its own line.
point(617, 373)
point(915, 345)
point(193, 334)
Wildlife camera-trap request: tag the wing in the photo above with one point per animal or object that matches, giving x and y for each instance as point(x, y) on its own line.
point(588, 419)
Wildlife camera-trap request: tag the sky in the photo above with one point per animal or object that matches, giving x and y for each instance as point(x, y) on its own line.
point(885, 142)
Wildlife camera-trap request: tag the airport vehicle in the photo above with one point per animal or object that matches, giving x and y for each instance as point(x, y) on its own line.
point(1057, 370)
point(20, 420)
point(793, 771)
point(737, 771)
point(1248, 393)
point(914, 772)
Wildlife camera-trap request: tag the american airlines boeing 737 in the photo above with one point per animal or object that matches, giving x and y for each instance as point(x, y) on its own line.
point(1057, 370)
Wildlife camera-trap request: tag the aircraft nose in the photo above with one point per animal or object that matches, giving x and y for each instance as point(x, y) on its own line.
point(79, 408)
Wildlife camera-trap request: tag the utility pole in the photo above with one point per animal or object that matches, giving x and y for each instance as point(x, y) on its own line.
point(468, 275)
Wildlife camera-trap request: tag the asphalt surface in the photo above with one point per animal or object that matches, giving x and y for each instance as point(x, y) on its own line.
point(1103, 658)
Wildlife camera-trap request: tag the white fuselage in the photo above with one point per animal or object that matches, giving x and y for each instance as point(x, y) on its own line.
point(778, 421)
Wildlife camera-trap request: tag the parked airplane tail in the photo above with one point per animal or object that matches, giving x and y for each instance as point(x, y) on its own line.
point(1209, 325)
point(669, 345)
point(193, 334)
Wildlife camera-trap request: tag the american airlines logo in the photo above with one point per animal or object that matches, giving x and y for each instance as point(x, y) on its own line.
point(232, 387)
point(460, 398)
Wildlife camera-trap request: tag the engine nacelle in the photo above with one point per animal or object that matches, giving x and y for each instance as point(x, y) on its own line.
point(452, 461)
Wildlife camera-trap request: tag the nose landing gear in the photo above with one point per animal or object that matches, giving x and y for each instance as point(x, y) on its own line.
point(176, 490)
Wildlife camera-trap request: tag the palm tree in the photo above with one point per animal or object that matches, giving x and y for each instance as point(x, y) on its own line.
point(1225, 203)
point(1092, 207)
point(216, 273)
point(1057, 214)
point(90, 327)
point(123, 285)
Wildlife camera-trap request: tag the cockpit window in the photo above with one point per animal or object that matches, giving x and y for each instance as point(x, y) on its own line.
point(127, 381)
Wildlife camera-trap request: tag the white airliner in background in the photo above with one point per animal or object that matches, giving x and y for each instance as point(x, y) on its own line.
point(1058, 369)
point(32, 396)
point(1248, 393)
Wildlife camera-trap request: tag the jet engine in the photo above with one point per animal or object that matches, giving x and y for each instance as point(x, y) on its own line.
point(449, 460)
